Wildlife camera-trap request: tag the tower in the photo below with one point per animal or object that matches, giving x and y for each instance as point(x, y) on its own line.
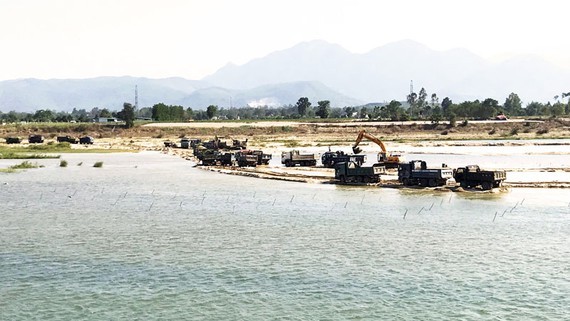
point(136, 97)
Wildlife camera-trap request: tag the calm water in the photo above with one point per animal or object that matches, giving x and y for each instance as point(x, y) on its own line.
point(150, 237)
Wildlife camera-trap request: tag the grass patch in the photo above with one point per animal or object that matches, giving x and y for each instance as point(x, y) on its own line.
point(25, 165)
point(7, 170)
point(98, 164)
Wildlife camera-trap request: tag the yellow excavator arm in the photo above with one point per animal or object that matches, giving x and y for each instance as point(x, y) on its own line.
point(363, 134)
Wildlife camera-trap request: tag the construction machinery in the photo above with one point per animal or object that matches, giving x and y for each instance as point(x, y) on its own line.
point(294, 157)
point(351, 172)
point(416, 172)
point(330, 159)
point(384, 158)
point(473, 176)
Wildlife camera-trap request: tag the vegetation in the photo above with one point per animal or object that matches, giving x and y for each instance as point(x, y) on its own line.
point(98, 164)
point(128, 115)
point(417, 106)
point(63, 163)
point(25, 165)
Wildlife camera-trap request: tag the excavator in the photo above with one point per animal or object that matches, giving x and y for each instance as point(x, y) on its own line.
point(386, 159)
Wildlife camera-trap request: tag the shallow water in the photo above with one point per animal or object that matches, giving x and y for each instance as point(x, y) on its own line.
point(148, 236)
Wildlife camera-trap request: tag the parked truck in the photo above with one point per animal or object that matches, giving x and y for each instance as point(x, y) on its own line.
point(472, 176)
point(351, 172)
point(416, 173)
point(262, 158)
point(68, 139)
point(330, 159)
point(35, 139)
point(294, 157)
point(245, 158)
point(13, 140)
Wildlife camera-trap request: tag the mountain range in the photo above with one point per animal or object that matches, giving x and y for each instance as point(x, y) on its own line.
point(317, 70)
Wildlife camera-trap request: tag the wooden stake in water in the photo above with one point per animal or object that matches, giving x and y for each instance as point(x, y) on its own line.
point(495, 216)
point(151, 204)
point(345, 204)
point(421, 209)
point(292, 197)
point(430, 207)
point(405, 214)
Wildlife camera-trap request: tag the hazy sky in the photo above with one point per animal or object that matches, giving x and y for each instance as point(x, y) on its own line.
point(191, 39)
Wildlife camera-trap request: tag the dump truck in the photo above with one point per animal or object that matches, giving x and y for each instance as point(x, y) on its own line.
point(294, 157)
point(262, 158)
point(352, 172)
point(330, 159)
point(68, 139)
point(13, 140)
point(416, 173)
point(245, 158)
point(210, 157)
point(472, 176)
point(86, 140)
point(35, 139)
point(390, 160)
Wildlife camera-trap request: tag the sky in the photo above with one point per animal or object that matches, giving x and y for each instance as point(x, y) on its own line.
point(48, 39)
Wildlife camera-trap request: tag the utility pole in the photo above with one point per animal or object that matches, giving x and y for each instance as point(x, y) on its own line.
point(136, 97)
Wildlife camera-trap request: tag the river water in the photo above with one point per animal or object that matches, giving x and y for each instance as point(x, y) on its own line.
point(148, 236)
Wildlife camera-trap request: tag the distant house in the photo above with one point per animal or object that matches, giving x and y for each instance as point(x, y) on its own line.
point(105, 120)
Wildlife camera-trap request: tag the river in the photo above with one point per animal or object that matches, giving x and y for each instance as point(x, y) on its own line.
point(148, 236)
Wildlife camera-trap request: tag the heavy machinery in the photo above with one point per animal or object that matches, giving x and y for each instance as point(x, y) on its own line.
point(13, 140)
point(387, 159)
point(330, 159)
point(69, 139)
point(294, 157)
point(416, 173)
point(351, 172)
point(262, 158)
point(245, 158)
point(472, 176)
point(35, 139)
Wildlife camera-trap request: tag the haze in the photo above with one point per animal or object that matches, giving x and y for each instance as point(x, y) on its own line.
point(192, 39)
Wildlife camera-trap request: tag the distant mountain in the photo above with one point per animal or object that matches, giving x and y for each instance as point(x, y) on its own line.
point(385, 73)
point(268, 95)
point(318, 70)
point(103, 92)
point(111, 92)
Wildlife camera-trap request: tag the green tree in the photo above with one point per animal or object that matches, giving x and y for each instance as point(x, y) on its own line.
point(446, 105)
point(44, 115)
point(534, 108)
point(324, 108)
point(513, 105)
point(128, 115)
point(303, 104)
point(412, 101)
point(105, 113)
point(212, 111)
point(393, 110)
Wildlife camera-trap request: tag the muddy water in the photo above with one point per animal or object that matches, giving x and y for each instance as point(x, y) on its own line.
point(148, 236)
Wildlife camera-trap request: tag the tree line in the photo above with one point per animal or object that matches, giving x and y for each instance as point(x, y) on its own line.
point(420, 106)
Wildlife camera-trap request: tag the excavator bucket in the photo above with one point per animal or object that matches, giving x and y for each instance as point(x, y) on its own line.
point(356, 150)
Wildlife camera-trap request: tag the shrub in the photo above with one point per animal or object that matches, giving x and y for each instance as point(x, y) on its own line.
point(514, 131)
point(98, 164)
point(464, 123)
point(445, 132)
point(80, 163)
point(492, 131)
point(63, 163)
point(25, 165)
